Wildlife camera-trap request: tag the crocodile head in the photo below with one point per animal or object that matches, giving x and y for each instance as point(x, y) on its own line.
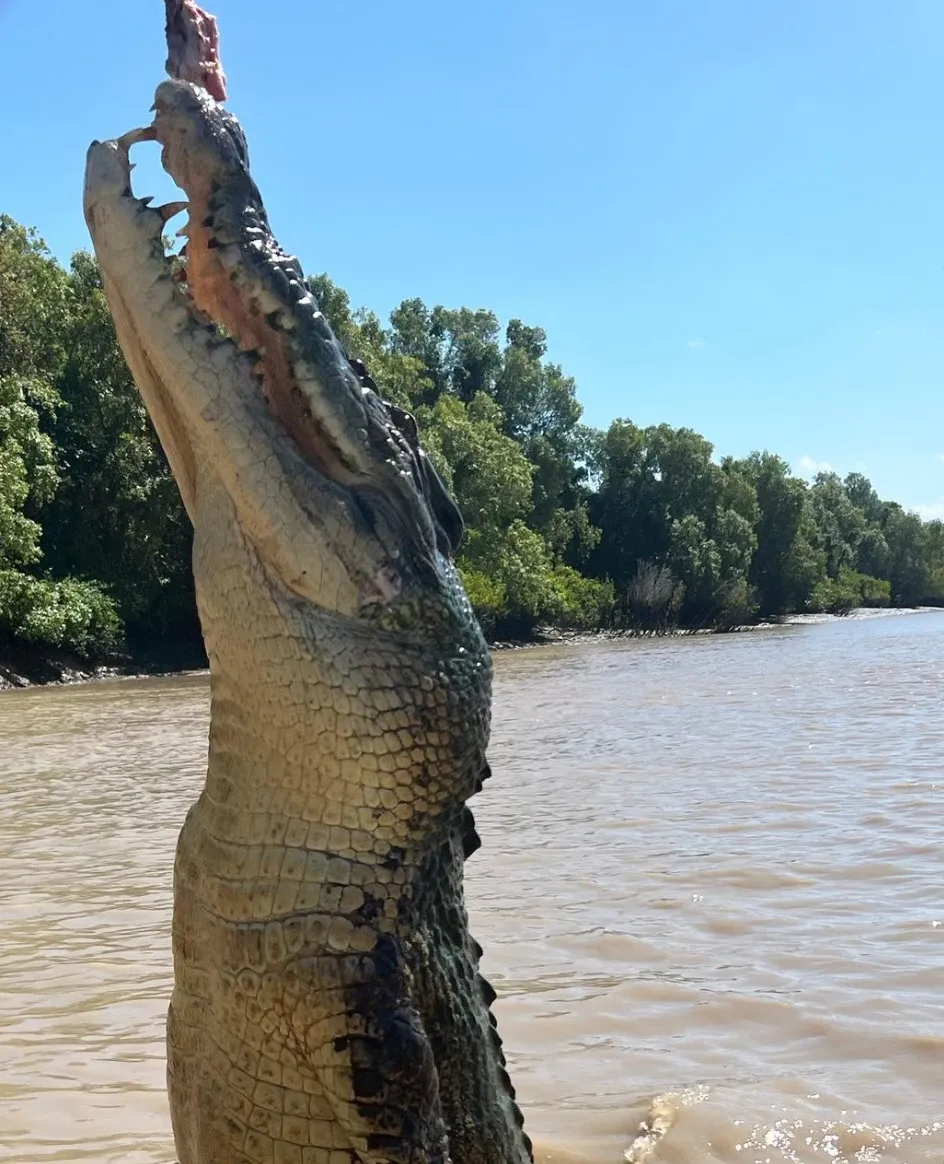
point(275, 438)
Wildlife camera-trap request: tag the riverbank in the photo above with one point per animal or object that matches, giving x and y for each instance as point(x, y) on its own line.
point(25, 667)
point(22, 666)
point(554, 636)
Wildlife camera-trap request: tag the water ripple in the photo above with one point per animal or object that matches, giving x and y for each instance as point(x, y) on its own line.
point(710, 888)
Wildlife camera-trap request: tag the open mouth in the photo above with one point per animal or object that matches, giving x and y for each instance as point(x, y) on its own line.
point(236, 280)
point(234, 314)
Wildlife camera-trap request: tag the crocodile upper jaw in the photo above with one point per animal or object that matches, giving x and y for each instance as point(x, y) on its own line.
point(328, 483)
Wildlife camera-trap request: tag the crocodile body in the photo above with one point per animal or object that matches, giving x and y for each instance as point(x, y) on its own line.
point(327, 1004)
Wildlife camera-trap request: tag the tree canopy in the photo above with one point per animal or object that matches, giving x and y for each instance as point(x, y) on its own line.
point(628, 527)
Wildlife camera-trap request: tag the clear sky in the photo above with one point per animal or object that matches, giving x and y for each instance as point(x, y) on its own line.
point(727, 214)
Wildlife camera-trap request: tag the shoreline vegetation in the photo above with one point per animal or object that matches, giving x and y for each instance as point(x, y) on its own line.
point(624, 532)
point(32, 667)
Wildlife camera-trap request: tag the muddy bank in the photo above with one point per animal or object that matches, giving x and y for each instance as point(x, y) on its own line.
point(554, 636)
point(29, 667)
point(22, 666)
point(549, 636)
point(25, 666)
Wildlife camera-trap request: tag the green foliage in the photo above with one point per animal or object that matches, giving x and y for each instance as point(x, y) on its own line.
point(518, 561)
point(487, 595)
point(849, 590)
point(907, 568)
point(66, 613)
point(873, 591)
point(33, 306)
point(27, 471)
point(117, 514)
point(514, 584)
point(736, 604)
point(488, 473)
point(786, 565)
point(566, 525)
point(654, 598)
point(579, 603)
point(35, 312)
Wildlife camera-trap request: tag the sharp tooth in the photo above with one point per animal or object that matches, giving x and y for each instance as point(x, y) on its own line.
point(170, 209)
point(133, 136)
point(146, 202)
point(280, 320)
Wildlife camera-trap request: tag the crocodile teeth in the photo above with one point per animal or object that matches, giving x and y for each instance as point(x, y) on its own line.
point(133, 136)
point(169, 209)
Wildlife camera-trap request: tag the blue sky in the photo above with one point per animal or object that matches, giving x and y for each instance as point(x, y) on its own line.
point(727, 215)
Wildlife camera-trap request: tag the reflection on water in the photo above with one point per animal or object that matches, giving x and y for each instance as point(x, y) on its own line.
point(710, 894)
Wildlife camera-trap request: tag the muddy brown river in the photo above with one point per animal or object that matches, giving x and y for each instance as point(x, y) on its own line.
point(711, 889)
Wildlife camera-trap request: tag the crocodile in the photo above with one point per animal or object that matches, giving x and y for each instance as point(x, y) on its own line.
point(327, 1005)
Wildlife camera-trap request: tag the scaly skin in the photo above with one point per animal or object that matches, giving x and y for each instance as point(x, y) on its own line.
point(327, 1005)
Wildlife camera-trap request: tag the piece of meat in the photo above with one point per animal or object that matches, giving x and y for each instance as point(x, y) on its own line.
point(193, 47)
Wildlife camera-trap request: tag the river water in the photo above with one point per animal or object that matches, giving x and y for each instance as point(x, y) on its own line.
point(711, 890)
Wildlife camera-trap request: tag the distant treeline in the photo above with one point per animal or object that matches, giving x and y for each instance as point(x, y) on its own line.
point(567, 525)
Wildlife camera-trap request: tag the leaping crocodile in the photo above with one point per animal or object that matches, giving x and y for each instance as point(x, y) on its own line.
point(327, 1004)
